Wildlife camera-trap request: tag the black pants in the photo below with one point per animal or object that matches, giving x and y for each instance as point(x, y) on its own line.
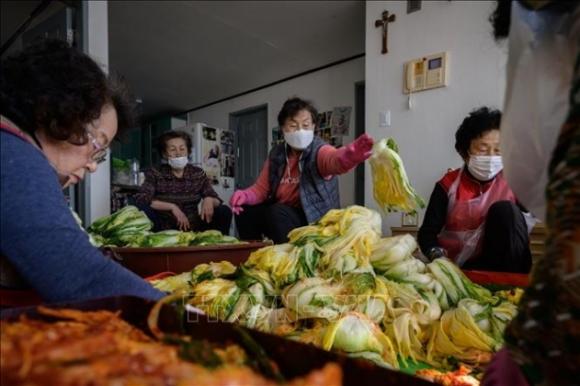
point(505, 244)
point(221, 220)
point(274, 221)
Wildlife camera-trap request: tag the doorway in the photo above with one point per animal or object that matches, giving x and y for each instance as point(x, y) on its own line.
point(251, 143)
point(359, 129)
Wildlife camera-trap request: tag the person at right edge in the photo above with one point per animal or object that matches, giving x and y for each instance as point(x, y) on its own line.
point(541, 155)
point(473, 217)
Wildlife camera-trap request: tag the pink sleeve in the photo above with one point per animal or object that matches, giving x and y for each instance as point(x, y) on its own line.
point(329, 161)
point(261, 187)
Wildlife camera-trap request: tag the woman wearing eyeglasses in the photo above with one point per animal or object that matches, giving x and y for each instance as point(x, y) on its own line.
point(297, 184)
point(473, 216)
point(59, 113)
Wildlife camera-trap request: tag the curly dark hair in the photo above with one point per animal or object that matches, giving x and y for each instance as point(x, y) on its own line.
point(476, 124)
point(163, 138)
point(56, 88)
point(292, 106)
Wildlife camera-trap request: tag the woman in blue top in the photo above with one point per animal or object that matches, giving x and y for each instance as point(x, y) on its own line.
point(59, 114)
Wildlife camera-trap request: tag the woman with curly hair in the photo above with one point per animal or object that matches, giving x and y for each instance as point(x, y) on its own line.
point(59, 114)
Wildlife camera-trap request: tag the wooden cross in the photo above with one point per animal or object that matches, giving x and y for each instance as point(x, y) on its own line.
point(384, 24)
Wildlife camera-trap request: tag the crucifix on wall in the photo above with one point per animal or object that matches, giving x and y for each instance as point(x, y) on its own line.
point(383, 22)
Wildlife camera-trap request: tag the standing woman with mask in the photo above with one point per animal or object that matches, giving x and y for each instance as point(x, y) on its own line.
point(171, 194)
point(473, 216)
point(297, 184)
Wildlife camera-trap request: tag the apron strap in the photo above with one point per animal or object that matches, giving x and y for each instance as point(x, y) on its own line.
point(15, 131)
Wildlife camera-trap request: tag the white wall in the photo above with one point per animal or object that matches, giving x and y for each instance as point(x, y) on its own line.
point(425, 134)
point(96, 44)
point(326, 88)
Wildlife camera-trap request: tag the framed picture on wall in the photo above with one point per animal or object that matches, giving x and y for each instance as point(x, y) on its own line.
point(328, 118)
point(325, 134)
point(336, 141)
point(209, 133)
point(322, 122)
point(277, 136)
point(341, 120)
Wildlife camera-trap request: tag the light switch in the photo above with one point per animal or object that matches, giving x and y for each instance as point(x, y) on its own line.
point(385, 118)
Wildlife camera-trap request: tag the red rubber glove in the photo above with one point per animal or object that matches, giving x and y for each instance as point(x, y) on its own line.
point(503, 371)
point(242, 197)
point(357, 151)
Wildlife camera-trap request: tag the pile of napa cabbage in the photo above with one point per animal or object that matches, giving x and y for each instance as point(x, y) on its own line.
point(339, 285)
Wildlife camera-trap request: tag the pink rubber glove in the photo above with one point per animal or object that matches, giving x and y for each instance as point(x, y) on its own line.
point(357, 151)
point(242, 197)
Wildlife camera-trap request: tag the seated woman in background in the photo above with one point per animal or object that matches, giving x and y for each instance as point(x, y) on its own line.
point(298, 183)
point(473, 216)
point(171, 194)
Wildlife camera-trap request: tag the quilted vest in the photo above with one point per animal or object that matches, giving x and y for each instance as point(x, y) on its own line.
point(317, 195)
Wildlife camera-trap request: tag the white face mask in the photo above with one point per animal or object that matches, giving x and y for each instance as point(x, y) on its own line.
point(299, 139)
point(484, 167)
point(177, 162)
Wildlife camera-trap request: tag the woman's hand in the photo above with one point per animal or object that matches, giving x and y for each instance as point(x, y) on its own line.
point(182, 221)
point(357, 151)
point(361, 148)
point(238, 199)
point(207, 206)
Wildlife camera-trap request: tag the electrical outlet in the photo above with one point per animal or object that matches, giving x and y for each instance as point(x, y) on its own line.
point(410, 220)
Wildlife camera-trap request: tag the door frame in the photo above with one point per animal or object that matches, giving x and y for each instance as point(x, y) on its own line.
point(359, 129)
point(233, 126)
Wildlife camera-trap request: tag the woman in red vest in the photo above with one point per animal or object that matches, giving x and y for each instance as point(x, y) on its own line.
point(473, 216)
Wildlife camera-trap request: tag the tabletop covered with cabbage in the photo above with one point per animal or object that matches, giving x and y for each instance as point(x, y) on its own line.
point(130, 227)
point(339, 285)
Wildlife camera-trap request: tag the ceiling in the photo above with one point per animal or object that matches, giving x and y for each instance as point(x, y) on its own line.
point(13, 13)
point(178, 55)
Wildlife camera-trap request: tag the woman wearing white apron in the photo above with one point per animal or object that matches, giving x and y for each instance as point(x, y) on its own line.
point(473, 216)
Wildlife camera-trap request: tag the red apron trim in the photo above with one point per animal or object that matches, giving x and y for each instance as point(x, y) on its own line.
point(463, 228)
point(159, 276)
point(14, 131)
point(504, 278)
